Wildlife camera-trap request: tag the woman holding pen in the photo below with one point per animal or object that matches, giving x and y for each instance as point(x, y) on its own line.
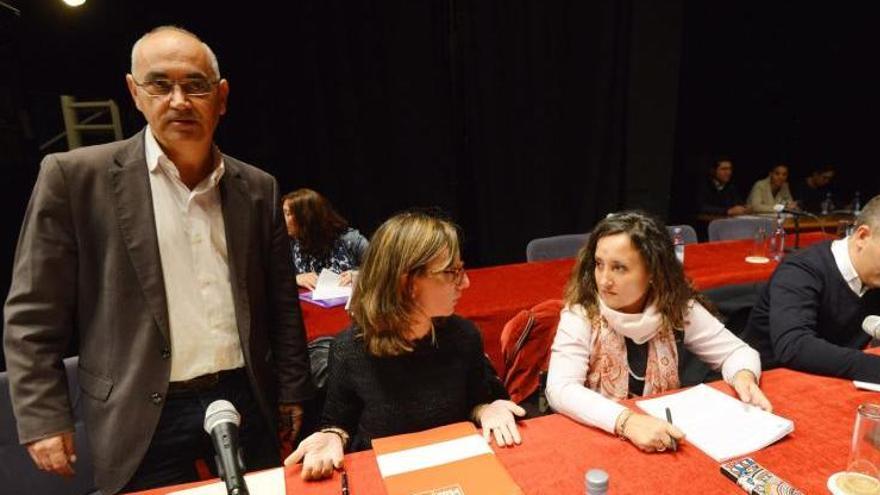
point(628, 310)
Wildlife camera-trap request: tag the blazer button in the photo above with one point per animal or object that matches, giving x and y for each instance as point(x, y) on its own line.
point(156, 397)
point(166, 353)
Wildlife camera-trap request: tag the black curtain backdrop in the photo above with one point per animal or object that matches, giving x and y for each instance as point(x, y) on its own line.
point(519, 118)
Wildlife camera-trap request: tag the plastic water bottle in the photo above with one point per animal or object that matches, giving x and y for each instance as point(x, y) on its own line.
point(596, 482)
point(678, 243)
point(857, 204)
point(827, 204)
point(777, 242)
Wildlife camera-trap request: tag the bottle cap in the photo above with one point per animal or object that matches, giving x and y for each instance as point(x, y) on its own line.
point(596, 481)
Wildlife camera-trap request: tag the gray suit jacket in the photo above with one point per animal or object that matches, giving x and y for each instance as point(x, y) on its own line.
point(87, 264)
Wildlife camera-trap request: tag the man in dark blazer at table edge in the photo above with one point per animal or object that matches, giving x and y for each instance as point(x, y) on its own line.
point(809, 316)
point(162, 330)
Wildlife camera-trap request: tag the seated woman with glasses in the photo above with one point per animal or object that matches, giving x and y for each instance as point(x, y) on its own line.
point(407, 363)
point(628, 308)
point(320, 238)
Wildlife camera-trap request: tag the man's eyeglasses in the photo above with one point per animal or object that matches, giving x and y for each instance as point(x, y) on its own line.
point(191, 86)
point(455, 274)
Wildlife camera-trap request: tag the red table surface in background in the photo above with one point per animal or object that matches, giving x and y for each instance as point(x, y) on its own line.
point(556, 451)
point(498, 293)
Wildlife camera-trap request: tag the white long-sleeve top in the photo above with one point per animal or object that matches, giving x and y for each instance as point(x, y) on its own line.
point(704, 335)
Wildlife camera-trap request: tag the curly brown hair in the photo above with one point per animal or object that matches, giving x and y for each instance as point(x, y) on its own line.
point(670, 289)
point(317, 223)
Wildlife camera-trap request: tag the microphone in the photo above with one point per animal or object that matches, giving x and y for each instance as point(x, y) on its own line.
point(221, 422)
point(871, 326)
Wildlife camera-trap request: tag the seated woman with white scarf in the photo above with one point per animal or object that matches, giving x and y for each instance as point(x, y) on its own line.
point(627, 305)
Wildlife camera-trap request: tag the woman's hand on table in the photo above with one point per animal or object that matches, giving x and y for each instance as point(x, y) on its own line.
point(651, 434)
point(307, 280)
point(498, 420)
point(347, 277)
point(746, 386)
point(320, 453)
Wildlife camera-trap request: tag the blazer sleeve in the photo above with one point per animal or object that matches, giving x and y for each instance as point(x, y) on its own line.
point(40, 309)
point(288, 336)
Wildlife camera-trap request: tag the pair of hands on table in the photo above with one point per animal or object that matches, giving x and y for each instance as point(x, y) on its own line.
point(651, 434)
point(310, 280)
point(322, 452)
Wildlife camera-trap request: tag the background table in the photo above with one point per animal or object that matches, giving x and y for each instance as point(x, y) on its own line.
point(498, 293)
point(556, 451)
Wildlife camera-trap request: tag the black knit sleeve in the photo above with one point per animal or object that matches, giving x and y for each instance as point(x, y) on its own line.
point(480, 372)
point(794, 333)
point(343, 406)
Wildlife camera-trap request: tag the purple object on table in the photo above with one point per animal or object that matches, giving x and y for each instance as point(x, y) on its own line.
point(325, 303)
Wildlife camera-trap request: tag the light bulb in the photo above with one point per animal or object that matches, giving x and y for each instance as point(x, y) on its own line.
point(74, 3)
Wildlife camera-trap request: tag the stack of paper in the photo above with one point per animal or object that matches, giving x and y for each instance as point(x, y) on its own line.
point(716, 423)
point(328, 287)
point(451, 459)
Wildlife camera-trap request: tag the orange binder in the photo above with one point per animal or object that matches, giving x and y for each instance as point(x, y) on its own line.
point(449, 460)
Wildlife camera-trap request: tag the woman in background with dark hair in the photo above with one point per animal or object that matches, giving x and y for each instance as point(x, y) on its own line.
point(320, 238)
point(628, 306)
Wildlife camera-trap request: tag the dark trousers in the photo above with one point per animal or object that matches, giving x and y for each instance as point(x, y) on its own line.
point(180, 438)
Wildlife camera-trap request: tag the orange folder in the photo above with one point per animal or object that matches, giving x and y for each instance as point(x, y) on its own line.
point(479, 474)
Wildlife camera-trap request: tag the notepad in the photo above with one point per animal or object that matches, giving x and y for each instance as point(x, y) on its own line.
point(718, 424)
point(268, 482)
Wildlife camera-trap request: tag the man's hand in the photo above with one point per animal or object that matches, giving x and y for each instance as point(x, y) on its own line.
point(290, 420)
point(54, 454)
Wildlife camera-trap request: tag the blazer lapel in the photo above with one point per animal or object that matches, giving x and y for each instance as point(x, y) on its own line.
point(134, 209)
point(235, 198)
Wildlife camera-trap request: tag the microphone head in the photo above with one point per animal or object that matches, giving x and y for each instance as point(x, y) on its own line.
point(220, 411)
point(871, 326)
point(778, 207)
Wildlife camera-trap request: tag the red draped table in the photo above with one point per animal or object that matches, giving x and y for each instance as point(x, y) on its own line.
point(556, 451)
point(498, 293)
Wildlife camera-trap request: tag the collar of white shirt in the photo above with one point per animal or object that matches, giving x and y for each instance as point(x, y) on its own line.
point(840, 251)
point(157, 160)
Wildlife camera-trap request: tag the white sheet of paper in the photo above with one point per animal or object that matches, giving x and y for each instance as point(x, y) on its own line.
point(328, 286)
point(867, 385)
point(404, 461)
point(269, 482)
point(718, 424)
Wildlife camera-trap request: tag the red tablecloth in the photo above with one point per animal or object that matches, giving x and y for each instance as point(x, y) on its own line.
point(556, 451)
point(497, 293)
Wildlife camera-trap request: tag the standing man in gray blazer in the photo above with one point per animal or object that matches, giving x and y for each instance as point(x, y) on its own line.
point(169, 261)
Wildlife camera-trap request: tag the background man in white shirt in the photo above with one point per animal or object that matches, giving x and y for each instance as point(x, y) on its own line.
point(169, 261)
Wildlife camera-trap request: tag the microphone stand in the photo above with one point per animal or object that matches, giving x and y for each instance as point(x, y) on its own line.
point(797, 233)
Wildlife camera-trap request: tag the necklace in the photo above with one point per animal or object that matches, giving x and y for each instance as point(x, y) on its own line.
point(637, 377)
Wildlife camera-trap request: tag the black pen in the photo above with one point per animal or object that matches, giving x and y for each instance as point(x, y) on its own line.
point(669, 419)
point(344, 483)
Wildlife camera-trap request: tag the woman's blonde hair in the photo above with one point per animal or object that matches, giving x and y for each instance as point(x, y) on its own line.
point(670, 290)
point(382, 305)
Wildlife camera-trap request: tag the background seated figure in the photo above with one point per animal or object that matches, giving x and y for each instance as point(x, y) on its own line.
point(629, 309)
point(811, 190)
point(718, 194)
point(772, 190)
point(320, 238)
point(407, 363)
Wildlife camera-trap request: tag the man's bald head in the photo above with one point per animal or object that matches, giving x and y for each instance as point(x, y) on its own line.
point(173, 31)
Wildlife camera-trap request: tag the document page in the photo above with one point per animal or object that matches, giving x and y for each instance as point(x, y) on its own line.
point(718, 424)
point(268, 482)
point(328, 286)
